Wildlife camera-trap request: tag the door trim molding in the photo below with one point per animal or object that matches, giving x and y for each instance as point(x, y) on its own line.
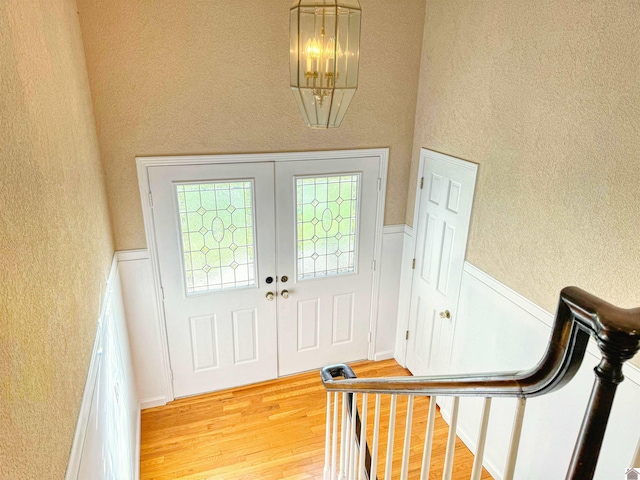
point(144, 163)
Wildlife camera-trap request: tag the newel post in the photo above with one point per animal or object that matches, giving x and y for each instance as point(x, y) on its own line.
point(617, 333)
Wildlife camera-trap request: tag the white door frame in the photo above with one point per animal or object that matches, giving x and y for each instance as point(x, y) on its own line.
point(144, 163)
point(407, 270)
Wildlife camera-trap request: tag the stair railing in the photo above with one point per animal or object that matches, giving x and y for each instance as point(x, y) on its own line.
point(579, 316)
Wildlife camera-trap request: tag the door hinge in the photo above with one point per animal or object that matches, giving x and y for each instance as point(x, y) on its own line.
point(162, 293)
point(379, 184)
point(171, 375)
point(369, 337)
point(406, 335)
point(150, 200)
point(373, 265)
point(413, 264)
point(421, 183)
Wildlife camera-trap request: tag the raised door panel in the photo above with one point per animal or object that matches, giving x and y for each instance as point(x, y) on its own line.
point(446, 252)
point(343, 316)
point(308, 324)
point(245, 336)
point(204, 342)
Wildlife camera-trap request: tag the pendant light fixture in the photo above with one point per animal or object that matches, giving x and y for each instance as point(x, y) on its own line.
point(325, 51)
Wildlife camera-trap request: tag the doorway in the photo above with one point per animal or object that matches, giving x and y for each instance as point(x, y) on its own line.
point(267, 266)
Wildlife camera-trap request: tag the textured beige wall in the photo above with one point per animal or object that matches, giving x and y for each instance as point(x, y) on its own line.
point(545, 97)
point(212, 76)
point(55, 238)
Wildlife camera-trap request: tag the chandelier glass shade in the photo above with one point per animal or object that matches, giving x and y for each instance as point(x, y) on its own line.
point(325, 51)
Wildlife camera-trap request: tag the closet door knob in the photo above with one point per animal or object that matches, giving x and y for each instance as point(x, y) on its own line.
point(285, 294)
point(445, 314)
point(269, 296)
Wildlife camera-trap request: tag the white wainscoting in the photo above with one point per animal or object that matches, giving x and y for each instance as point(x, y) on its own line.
point(147, 338)
point(499, 330)
point(388, 298)
point(106, 444)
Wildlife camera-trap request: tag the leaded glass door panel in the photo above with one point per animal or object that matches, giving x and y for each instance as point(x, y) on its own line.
point(326, 213)
point(215, 235)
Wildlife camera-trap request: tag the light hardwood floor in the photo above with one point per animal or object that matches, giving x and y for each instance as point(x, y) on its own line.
point(275, 430)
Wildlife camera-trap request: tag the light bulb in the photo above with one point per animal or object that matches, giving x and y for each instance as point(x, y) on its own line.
point(313, 53)
point(330, 49)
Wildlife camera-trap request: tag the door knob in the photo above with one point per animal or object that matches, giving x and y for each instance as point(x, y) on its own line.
point(445, 314)
point(269, 296)
point(285, 293)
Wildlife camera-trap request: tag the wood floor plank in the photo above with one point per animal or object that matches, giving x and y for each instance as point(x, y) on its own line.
point(275, 430)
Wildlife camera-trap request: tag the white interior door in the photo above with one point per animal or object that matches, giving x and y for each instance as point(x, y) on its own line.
point(326, 231)
point(444, 211)
point(215, 235)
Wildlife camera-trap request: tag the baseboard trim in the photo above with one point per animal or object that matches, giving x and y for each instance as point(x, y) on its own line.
point(153, 402)
point(385, 355)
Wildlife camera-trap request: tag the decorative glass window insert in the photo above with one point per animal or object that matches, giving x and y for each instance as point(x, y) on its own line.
point(216, 224)
point(327, 224)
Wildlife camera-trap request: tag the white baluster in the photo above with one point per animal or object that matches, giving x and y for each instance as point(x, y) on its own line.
point(334, 441)
point(428, 440)
point(327, 440)
point(512, 455)
point(343, 439)
point(353, 456)
point(404, 471)
point(376, 432)
point(482, 438)
point(363, 437)
point(392, 428)
point(447, 471)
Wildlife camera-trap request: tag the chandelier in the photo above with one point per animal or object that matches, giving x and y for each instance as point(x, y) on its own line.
point(325, 50)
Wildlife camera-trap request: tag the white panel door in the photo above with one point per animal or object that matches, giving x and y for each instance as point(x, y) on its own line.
point(444, 212)
point(215, 234)
point(326, 230)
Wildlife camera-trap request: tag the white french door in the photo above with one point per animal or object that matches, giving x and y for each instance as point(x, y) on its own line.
point(215, 237)
point(326, 230)
point(234, 314)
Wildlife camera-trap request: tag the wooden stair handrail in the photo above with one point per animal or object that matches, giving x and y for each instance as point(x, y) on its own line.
point(579, 316)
